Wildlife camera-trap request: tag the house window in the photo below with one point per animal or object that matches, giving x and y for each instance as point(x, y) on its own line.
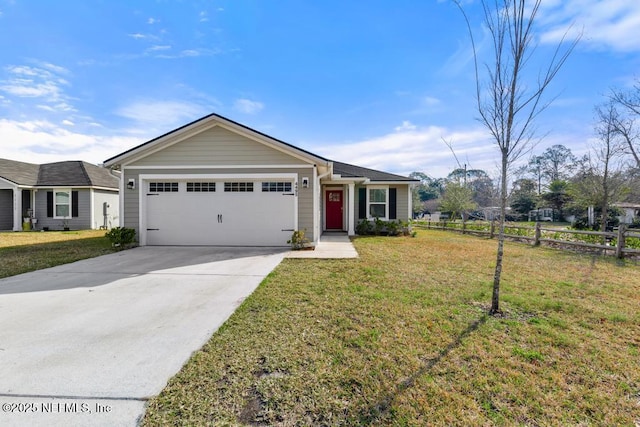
point(62, 203)
point(201, 187)
point(377, 202)
point(238, 187)
point(276, 187)
point(163, 187)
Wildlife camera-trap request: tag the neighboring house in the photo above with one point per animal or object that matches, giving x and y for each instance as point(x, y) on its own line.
point(630, 212)
point(75, 194)
point(217, 182)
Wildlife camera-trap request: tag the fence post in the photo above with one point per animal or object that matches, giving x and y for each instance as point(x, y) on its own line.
point(620, 243)
point(538, 233)
point(493, 229)
point(464, 226)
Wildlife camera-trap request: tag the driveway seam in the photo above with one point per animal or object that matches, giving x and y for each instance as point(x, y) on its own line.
point(55, 396)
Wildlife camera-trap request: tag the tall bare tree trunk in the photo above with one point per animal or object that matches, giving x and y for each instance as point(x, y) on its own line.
point(495, 297)
point(507, 105)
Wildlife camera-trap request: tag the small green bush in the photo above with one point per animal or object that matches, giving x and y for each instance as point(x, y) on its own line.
point(379, 227)
point(298, 240)
point(121, 236)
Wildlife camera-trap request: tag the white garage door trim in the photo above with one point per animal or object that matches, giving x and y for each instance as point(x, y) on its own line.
point(144, 180)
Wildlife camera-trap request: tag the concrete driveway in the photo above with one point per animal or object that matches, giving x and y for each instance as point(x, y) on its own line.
point(88, 343)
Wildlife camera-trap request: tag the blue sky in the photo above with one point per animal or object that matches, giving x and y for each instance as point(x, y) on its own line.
point(375, 83)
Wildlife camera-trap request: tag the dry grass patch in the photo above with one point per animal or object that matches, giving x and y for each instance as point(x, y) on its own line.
point(400, 337)
point(29, 251)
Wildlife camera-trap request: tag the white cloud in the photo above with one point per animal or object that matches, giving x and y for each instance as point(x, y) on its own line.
point(43, 81)
point(610, 24)
point(151, 116)
point(405, 126)
point(42, 142)
point(203, 16)
point(68, 123)
point(247, 106)
point(152, 21)
point(412, 148)
point(430, 101)
point(189, 53)
point(159, 47)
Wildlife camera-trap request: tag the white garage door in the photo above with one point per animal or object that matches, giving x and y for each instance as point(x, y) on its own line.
point(219, 212)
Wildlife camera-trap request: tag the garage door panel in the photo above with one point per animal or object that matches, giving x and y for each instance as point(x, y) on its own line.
point(220, 218)
point(261, 219)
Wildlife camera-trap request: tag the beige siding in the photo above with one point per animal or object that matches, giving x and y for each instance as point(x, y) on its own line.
point(217, 146)
point(305, 195)
point(402, 201)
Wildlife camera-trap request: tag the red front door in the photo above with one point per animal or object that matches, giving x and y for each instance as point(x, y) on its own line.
point(334, 209)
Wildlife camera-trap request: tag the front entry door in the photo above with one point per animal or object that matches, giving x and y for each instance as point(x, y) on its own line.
point(334, 209)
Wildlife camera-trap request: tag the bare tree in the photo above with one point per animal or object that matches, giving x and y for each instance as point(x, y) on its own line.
point(607, 153)
point(508, 104)
point(625, 122)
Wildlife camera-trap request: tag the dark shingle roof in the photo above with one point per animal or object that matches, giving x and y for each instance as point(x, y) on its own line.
point(19, 172)
point(351, 171)
point(72, 173)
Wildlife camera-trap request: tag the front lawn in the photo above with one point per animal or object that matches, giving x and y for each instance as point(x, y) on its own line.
point(21, 252)
point(400, 337)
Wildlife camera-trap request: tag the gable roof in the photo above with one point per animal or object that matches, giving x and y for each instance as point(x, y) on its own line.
point(73, 173)
point(345, 170)
point(213, 117)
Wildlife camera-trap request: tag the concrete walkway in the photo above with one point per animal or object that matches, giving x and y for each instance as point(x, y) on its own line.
point(330, 246)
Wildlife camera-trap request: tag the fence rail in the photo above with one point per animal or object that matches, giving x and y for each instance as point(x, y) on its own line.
point(621, 242)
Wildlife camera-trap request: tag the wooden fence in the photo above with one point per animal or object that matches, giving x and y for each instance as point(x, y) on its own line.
point(623, 242)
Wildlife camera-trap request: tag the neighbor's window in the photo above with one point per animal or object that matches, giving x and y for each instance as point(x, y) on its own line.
point(377, 202)
point(62, 200)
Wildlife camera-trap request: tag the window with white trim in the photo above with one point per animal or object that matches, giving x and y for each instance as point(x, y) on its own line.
point(201, 187)
point(238, 187)
point(276, 187)
point(378, 202)
point(62, 204)
point(163, 187)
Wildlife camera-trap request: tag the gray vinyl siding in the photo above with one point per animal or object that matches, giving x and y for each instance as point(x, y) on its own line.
point(82, 222)
point(305, 195)
point(217, 146)
point(6, 210)
point(113, 213)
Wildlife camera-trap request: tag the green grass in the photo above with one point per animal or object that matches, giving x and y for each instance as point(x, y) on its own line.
point(29, 251)
point(400, 336)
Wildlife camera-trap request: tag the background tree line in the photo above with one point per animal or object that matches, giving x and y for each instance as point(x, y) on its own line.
point(609, 173)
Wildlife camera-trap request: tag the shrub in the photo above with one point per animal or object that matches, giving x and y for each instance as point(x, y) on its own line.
point(298, 240)
point(364, 227)
point(379, 227)
point(121, 237)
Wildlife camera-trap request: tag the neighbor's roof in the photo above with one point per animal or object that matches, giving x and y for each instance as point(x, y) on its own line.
point(351, 171)
point(73, 173)
point(19, 172)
